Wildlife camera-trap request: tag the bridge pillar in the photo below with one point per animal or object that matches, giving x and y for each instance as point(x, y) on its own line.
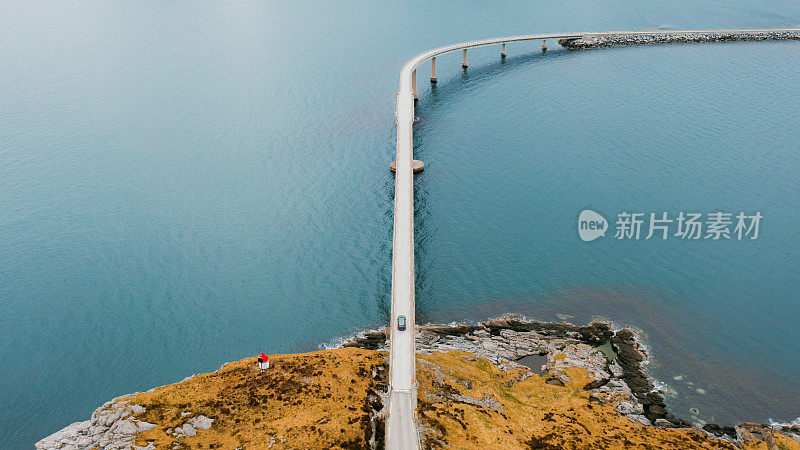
point(464, 62)
point(433, 70)
point(503, 53)
point(414, 84)
point(544, 45)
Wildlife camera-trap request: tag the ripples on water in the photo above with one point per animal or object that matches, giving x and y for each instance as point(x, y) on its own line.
point(184, 185)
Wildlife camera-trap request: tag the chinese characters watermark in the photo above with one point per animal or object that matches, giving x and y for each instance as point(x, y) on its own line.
point(685, 226)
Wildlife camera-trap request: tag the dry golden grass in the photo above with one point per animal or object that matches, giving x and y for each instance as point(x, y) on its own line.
point(323, 400)
point(312, 400)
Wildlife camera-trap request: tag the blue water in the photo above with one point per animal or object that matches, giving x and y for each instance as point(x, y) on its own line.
point(184, 184)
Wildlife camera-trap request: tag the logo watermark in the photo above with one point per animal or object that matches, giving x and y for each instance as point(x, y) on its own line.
point(685, 226)
point(591, 225)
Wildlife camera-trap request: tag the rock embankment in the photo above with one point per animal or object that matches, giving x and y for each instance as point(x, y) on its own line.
point(603, 40)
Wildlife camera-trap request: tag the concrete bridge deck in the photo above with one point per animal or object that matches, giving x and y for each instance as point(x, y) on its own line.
point(401, 428)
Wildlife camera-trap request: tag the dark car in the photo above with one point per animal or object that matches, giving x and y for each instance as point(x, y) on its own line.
point(401, 323)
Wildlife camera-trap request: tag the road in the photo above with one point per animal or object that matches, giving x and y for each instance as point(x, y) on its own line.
point(401, 427)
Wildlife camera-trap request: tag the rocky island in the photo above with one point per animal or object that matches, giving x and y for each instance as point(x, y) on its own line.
point(505, 383)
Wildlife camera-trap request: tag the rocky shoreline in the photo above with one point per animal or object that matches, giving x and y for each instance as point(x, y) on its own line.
point(111, 427)
point(114, 426)
point(615, 359)
point(601, 40)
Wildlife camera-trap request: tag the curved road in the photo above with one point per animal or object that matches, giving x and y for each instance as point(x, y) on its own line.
point(401, 427)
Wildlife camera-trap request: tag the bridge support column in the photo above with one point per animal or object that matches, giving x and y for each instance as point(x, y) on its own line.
point(433, 70)
point(464, 62)
point(414, 84)
point(503, 53)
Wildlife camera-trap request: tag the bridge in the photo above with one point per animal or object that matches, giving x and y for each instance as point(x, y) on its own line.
point(401, 427)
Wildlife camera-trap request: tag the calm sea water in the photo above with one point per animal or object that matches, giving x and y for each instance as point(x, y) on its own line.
point(184, 184)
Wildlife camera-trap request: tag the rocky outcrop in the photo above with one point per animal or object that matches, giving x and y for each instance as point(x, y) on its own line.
point(620, 380)
point(111, 427)
point(602, 40)
point(748, 432)
point(191, 426)
point(630, 357)
point(368, 340)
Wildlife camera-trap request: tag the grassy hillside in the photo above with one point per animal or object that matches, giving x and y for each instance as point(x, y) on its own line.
point(332, 399)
